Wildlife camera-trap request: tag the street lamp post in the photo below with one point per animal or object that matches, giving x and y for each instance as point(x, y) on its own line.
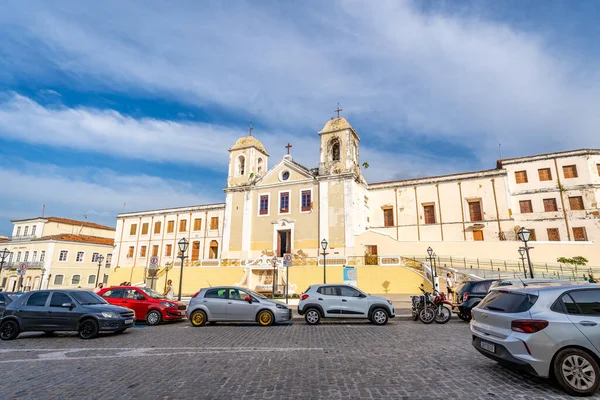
point(183, 245)
point(522, 253)
point(167, 265)
point(3, 255)
point(324, 247)
point(432, 266)
point(524, 236)
point(274, 261)
point(100, 259)
point(42, 273)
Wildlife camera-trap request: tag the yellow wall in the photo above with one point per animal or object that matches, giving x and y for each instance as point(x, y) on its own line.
point(389, 280)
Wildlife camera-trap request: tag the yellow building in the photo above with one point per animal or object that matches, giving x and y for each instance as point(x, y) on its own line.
point(57, 253)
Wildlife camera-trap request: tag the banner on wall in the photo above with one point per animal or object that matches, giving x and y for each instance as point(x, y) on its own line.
point(350, 276)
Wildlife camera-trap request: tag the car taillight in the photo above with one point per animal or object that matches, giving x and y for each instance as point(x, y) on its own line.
point(528, 325)
point(304, 297)
point(465, 297)
point(195, 294)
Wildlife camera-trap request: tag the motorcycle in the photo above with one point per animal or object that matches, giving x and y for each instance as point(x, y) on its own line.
point(429, 308)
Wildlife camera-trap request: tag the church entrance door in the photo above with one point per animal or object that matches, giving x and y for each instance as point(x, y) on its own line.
point(284, 245)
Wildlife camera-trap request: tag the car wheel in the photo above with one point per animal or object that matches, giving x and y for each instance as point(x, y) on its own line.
point(153, 317)
point(379, 316)
point(9, 330)
point(198, 318)
point(88, 329)
point(312, 316)
point(265, 318)
point(427, 315)
point(577, 372)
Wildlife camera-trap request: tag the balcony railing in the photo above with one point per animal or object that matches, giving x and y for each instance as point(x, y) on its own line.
point(21, 238)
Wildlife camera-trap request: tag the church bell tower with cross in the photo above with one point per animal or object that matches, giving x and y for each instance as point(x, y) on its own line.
point(339, 147)
point(248, 160)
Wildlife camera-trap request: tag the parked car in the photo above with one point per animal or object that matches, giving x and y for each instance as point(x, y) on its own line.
point(147, 304)
point(343, 301)
point(524, 282)
point(235, 304)
point(5, 299)
point(549, 330)
point(469, 295)
point(63, 310)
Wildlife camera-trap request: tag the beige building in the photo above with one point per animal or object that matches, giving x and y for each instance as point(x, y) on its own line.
point(57, 253)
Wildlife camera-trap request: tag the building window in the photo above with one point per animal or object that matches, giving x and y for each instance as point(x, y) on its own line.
point(133, 229)
point(195, 251)
point(521, 176)
point(550, 205)
point(214, 250)
point(532, 237)
point(157, 226)
point(33, 229)
point(388, 216)
point(79, 257)
point(306, 200)
point(92, 280)
point(545, 174)
point(335, 149)
point(183, 225)
point(64, 254)
point(145, 228)
point(570, 171)
point(170, 226)
point(75, 279)
point(34, 259)
point(198, 224)
point(576, 203)
point(143, 251)
point(429, 212)
point(579, 234)
point(130, 252)
point(475, 211)
point(25, 231)
point(168, 250)
point(553, 234)
point(26, 256)
point(155, 251)
point(42, 256)
point(598, 167)
point(525, 206)
point(58, 279)
point(284, 202)
point(478, 235)
point(259, 167)
point(18, 256)
point(19, 231)
point(105, 279)
point(95, 257)
point(214, 223)
point(264, 204)
point(241, 165)
point(371, 254)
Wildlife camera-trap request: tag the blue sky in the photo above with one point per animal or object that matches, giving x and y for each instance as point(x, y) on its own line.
point(117, 106)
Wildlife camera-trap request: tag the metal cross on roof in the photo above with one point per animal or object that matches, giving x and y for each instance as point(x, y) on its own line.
point(288, 147)
point(251, 128)
point(338, 110)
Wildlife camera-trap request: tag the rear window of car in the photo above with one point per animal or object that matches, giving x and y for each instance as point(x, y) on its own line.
point(328, 290)
point(480, 287)
point(215, 294)
point(508, 302)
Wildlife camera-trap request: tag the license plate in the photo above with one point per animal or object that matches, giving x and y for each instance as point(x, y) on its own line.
point(129, 321)
point(491, 347)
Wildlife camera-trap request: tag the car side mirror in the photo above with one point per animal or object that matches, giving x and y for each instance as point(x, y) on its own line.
point(68, 305)
point(248, 299)
point(362, 295)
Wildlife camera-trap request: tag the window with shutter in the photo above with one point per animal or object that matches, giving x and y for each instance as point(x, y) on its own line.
point(579, 234)
point(521, 176)
point(532, 237)
point(284, 202)
point(214, 223)
point(306, 200)
point(525, 206)
point(198, 224)
point(213, 250)
point(155, 251)
point(598, 167)
point(264, 205)
point(576, 203)
point(143, 251)
point(477, 235)
point(183, 225)
point(170, 226)
point(475, 210)
point(195, 251)
point(157, 227)
point(168, 250)
point(145, 228)
point(550, 205)
point(545, 174)
point(130, 252)
point(133, 229)
point(388, 217)
point(553, 235)
point(570, 171)
point(429, 212)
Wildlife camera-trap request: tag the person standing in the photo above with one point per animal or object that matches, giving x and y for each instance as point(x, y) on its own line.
point(98, 288)
point(169, 292)
point(450, 287)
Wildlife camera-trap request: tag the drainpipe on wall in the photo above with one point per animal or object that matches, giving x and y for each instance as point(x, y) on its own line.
point(462, 211)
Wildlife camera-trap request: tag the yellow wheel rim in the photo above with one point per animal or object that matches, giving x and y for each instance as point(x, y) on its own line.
point(198, 318)
point(265, 318)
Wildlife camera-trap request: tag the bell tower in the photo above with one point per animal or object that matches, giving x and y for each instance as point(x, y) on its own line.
point(248, 160)
point(339, 147)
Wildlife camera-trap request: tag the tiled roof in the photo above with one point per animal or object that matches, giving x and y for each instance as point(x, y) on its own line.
point(67, 237)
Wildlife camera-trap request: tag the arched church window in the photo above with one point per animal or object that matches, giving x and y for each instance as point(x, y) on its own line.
point(259, 166)
point(241, 168)
point(335, 150)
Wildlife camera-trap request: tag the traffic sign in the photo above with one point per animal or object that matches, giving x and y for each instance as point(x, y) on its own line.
point(22, 269)
point(153, 262)
point(287, 260)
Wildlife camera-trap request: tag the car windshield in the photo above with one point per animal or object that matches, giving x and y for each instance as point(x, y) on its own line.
point(152, 294)
point(260, 296)
point(87, 298)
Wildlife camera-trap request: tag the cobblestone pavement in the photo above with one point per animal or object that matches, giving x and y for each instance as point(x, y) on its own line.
point(404, 359)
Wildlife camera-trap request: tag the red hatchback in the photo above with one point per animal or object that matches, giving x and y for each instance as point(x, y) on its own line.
point(148, 305)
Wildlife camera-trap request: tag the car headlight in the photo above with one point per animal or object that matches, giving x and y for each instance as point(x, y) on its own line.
point(110, 314)
point(281, 306)
point(390, 303)
point(167, 304)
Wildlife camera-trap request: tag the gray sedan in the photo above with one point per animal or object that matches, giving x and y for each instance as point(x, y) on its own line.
point(235, 304)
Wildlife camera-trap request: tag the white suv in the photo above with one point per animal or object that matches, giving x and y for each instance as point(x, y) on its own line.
point(343, 301)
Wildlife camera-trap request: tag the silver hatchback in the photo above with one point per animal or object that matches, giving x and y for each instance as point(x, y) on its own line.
point(235, 304)
point(549, 330)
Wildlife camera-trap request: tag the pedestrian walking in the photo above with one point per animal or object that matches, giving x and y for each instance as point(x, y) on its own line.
point(592, 279)
point(98, 288)
point(169, 293)
point(450, 287)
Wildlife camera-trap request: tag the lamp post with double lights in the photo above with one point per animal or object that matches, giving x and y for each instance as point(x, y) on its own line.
point(522, 253)
point(274, 262)
point(432, 266)
point(324, 247)
point(100, 259)
point(183, 246)
point(524, 236)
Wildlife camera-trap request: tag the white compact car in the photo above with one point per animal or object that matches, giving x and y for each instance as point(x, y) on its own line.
point(549, 330)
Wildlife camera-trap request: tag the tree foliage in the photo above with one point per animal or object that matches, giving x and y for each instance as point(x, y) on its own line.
point(577, 260)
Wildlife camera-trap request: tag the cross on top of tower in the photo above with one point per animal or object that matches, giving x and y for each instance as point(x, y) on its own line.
point(251, 128)
point(338, 110)
point(288, 147)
